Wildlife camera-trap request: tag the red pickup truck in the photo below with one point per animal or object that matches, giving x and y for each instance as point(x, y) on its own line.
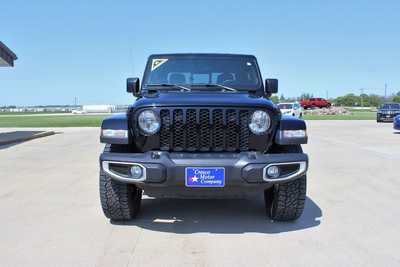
point(315, 102)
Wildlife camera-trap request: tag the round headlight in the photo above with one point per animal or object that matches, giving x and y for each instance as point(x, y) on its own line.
point(149, 122)
point(260, 122)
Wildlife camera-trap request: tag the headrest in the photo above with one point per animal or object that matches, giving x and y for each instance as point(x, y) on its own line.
point(224, 77)
point(177, 78)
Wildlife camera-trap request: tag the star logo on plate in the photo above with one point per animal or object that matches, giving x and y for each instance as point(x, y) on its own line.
point(195, 179)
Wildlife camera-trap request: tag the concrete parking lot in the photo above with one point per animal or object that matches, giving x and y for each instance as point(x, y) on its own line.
point(51, 215)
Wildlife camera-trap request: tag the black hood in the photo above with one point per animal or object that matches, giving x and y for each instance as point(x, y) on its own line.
point(203, 99)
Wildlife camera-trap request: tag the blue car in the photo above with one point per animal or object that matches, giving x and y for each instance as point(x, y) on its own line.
point(396, 122)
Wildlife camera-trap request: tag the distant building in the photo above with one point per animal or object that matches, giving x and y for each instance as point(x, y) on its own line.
point(121, 108)
point(75, 109)
point(7, 56)
point(38, 109)
point(98, 108)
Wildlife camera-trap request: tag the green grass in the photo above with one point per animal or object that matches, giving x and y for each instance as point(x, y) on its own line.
point(52, 121)
point(359, 115)
point(28, 113)
point(95, 120)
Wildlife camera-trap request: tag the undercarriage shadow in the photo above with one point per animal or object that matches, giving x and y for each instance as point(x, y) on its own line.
point(184, 216)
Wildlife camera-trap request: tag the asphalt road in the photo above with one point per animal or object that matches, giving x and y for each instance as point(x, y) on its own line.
point(51, 215)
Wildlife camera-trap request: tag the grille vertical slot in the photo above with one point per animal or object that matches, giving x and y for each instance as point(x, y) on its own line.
point(192, 131)
point(218, 135)
point(244, 130)
point(232, 130)
point(165, 132)
point(205, 131)
point(179, 131)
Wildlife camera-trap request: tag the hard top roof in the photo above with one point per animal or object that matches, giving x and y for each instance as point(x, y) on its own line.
point(8, 51)
point(7, 57)
point(200, 55)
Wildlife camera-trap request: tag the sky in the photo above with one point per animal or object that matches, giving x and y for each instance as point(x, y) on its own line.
point(87, 49)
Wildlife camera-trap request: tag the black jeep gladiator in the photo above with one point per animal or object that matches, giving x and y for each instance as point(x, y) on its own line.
point(202, 126)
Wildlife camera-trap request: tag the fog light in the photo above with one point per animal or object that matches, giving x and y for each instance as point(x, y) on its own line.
point(273, 171)
point(136, 172)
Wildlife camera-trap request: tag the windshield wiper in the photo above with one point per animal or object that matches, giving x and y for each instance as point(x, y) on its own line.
point(217, 85)
point(168, 85)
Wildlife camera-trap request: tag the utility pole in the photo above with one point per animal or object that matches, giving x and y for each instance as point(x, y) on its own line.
point(75, 101)
point(327, 95)
point(385, 91)
point(362, 96)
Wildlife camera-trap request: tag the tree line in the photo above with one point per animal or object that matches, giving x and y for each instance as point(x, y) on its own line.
point(348, 100)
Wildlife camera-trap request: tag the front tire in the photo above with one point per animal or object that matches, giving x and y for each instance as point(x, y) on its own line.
point(285, 201)
point(119, 201)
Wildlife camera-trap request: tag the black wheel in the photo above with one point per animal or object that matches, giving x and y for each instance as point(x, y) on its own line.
point(119, 201)
point(285, 201)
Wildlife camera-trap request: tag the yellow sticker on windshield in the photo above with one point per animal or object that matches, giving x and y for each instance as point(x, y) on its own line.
point(157, 62)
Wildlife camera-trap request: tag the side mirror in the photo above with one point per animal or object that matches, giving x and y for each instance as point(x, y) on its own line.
point(271, 86)
point(133, 86)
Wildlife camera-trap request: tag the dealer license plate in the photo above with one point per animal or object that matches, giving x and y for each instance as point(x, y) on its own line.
point(205, 177)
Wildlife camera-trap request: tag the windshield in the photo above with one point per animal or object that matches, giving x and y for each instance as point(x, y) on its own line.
point(390, 106)
point(285, 106)
point(235, 72)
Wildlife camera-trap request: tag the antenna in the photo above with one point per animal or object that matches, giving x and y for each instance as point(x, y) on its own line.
point(132, 60)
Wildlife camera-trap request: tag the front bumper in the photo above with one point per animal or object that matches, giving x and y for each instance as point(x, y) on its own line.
point(386, 117)
point(164, 169)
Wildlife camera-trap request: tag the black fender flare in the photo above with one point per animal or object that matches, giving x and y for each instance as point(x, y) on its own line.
point(290, 123)
point(116, 122)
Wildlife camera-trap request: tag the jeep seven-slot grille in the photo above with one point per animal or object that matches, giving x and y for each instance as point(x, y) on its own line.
point(202, 129)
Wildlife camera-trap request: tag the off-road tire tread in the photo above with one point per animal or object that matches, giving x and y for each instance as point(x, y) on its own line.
point(285, 201)
point(288, 200)
point(119, 201)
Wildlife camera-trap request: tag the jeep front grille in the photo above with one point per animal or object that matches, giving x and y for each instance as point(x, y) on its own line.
point(204, 129)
